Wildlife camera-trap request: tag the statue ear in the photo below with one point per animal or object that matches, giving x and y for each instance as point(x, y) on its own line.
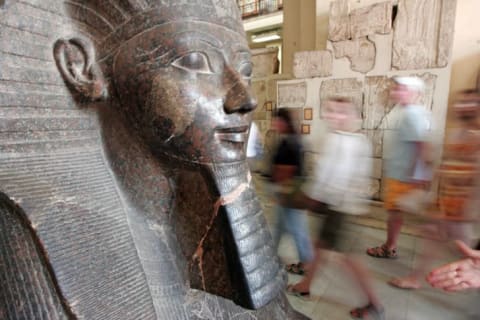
point(76, 62)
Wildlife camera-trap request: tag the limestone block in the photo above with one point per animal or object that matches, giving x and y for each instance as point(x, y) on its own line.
point(423, 34)
point(428, 96)
point(338, 23)
point(292, 94)
point(369, 20)
point(310, 161)
point(272, 86)
point(309, 64)
point(349, 88)
point(376, 138)
point(265, 62)
point(377, 170)
point(260, 91)
point(361, 53)
point(374, 189)
point(345, 24)
point(377, 103)
point(446, 32)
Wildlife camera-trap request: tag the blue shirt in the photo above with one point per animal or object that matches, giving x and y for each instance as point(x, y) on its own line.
point(412, 128)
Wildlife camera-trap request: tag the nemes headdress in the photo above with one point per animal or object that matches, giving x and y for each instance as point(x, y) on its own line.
point(110, 22)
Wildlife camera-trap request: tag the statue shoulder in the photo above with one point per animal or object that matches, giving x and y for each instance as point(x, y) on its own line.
point(28, 290)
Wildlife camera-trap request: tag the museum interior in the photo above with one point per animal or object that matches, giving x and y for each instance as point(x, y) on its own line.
point(169, 159)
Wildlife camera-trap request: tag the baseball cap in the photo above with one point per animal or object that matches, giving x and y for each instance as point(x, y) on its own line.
point(413, 83)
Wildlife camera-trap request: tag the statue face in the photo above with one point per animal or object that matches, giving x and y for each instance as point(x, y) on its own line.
point(185, 88)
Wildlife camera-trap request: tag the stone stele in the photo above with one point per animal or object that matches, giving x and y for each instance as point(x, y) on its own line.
point(338, 21)
point(423, 34)
point(265, 62)
point(361, 22)
point(125, 192)
point(360, 52)
point(370, 20)
point(292, 94)
point(309, 64)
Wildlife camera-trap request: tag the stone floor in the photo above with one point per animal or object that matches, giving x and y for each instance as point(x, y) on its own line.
point(334, 293)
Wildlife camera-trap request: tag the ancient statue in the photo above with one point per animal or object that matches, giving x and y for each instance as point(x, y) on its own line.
point(124, 190)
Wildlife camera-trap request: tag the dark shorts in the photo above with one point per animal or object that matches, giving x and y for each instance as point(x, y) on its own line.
point(330, 233)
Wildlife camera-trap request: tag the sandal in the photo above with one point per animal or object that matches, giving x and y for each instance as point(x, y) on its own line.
point(295, 268)
point(291, 290)
point(382, 252)
point(368, 312)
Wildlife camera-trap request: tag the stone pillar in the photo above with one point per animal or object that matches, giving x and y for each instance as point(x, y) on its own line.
point(299, 24)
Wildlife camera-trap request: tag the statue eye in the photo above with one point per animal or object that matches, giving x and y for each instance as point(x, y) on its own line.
point(246, 69)
point(193, 61)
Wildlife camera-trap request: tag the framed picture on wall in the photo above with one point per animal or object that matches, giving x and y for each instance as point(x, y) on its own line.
point(305, 129)
point(307, 114)
point(268, 106)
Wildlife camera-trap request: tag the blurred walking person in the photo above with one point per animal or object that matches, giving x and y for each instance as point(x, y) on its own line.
point(337, 189)
point(405, 168)
point(287, 176)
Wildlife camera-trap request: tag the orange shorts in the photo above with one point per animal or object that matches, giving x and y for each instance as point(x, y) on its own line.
point(394, 189)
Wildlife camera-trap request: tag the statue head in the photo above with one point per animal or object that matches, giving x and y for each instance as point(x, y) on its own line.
point(178, 72)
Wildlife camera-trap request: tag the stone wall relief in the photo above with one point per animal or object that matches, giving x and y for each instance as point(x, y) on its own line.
point(423, 34)
point(360, 52)
point(309, 64)
point(265, 62)
point(292, 94)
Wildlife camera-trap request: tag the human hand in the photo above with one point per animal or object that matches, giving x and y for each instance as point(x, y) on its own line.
point(459, 275)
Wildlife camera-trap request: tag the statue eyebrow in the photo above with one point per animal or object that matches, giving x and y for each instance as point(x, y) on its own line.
point(199, 36)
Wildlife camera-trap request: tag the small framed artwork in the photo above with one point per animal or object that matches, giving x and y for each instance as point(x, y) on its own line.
point(305, 129)
point(307, 114)
point(268, 106)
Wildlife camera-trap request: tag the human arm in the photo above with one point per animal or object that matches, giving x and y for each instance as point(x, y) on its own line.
point(415, 132)
point(460, 275)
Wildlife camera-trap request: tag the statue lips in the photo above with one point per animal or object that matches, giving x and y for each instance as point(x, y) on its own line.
point(233, 134)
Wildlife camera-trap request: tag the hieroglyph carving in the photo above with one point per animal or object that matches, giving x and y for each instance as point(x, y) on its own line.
point(423, 34)
point(338, 23)
point(309, 64)
point(349, 88)
point(292, 94)
point(361, 53)
point(376, 138)
point(265, 62)
point(369, 20)
point(358, 23)
point(377, 102)
point(428, 96)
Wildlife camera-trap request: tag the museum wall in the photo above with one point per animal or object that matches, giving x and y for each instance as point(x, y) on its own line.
point(466, 45)
point(364, 50)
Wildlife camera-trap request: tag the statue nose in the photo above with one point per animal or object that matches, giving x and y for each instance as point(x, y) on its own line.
point(239, 97)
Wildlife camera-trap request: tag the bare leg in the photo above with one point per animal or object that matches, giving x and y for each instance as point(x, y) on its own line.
point(426, 255)
point(305, 283)
point(361, 275)
point(394, 225)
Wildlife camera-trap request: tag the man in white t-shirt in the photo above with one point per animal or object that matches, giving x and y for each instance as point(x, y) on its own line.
point(254, 147)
